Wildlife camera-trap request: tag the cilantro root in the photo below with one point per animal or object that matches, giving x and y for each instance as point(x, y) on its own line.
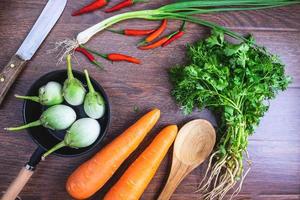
point(236, 81)
point(223, 176)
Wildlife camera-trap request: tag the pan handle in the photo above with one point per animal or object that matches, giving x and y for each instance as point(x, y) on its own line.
point(17, 185)
point(24, 175)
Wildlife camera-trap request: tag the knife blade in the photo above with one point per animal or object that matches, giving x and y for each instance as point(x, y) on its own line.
point(45, 22)
point(41, 28)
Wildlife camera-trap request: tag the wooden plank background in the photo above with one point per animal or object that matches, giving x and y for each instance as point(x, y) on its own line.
point(274, 148)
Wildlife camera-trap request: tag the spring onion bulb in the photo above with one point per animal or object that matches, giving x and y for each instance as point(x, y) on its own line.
point(49, 94)
point(82, 133)
point(93, 103)
point(58, 117)
point(73, 90)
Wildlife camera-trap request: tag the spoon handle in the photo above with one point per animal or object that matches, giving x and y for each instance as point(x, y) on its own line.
point(177, 174)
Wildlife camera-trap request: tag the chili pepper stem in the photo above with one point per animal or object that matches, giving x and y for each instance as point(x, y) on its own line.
point(98, 64)
point(137, 1)
point(121, 32)
point(142, 43)
point(172, 34)
point(89, 56)
point(95, 52)
point(182, 28)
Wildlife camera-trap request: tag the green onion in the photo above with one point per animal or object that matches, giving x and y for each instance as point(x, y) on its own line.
point(58, 117)
point(184, 11)
point(73, 90)
point(93, 103)
point(82, 133)
point(49, 94)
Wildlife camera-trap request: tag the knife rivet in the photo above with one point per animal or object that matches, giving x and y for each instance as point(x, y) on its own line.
point(2, 79)
point(12, 65)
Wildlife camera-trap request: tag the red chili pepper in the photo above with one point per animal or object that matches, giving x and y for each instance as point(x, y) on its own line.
point(121, 57)
point(123, 4)
point(156, 33)
point(114, 56)
point(132, 32)
point(158, 43)
point(176, 36)
point(91, 7)
point(88, 55)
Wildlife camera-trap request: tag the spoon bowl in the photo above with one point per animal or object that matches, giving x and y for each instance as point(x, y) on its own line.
point(194, 143)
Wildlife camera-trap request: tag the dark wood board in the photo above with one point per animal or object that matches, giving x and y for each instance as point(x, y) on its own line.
point(274, 148)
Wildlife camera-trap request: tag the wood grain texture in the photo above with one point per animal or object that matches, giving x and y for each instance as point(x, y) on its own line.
point(274, 148)
point(17, 185)
point(194, 143)
point(9, 74)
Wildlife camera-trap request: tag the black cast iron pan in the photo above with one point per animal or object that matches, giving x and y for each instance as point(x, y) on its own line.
point(46, 138)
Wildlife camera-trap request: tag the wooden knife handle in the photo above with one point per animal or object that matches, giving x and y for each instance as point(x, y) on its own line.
point(9, 74)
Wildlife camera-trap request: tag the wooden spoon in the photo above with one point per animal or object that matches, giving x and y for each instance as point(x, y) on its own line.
point(193, 144)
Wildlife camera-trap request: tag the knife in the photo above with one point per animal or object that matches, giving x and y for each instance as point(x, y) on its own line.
point(30, 45)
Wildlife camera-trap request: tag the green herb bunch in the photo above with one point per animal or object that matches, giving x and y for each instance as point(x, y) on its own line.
point(235, 81)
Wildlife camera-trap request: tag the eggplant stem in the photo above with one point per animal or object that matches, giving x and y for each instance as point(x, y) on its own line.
point(56, 147)
point(69, 67)
point(31, 98)
point(88, 81)
point(29, 125)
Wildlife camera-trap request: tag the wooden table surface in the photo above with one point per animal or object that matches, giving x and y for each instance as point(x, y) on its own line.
point(274, 148)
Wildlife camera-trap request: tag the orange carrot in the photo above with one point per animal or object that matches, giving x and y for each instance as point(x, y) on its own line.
point(136, 178)
point(89, 177)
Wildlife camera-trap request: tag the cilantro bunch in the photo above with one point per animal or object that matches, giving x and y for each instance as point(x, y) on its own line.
point(236, 81)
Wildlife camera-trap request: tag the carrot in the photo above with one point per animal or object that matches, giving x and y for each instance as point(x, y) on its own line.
point(137, 177)
point(89, 177)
